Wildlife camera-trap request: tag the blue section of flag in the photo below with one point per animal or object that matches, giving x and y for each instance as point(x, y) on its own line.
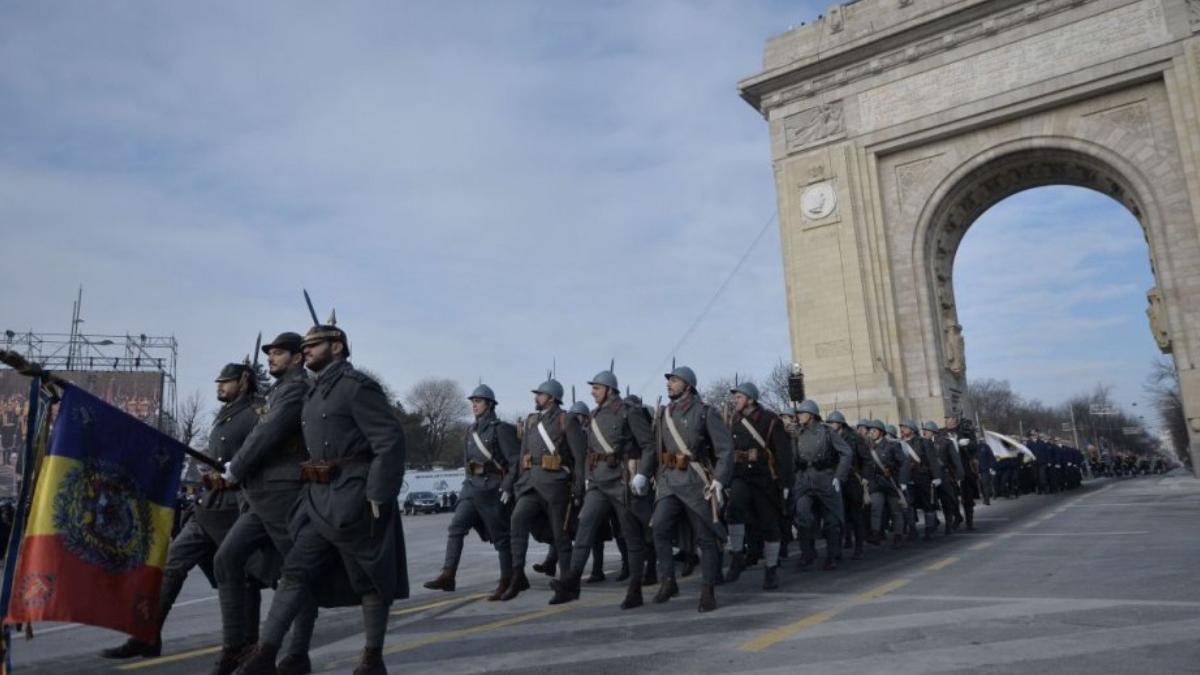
point(87, 428)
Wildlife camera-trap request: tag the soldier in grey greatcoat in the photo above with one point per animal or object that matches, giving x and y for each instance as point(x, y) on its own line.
point(890, 485)
point(490, 459)
point(346, 519)
point(922, 476)
point(617, 436)
point(951, 472)
point(215, 511)
point(822, 465)
point(691, 460)
point(855, 497)
point(763, 475)
point(549, 479)
point(267, 468)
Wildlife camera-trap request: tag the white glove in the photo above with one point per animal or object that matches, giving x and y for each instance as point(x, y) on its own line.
point(228, 476)
point(505, 497)
point(904, 488)
point(375, 507)
point(992, 471)
point(964, 442)
point(786, 492)
point(837, 485)
point(719, 491)
point(587, 484)
point(937, 482)
point(640, 485)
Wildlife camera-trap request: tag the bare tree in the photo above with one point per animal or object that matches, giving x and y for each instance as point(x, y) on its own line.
point(190, 426)
point(774, 389)
point(440, 404)
point(717, 393)
point(1163, 385)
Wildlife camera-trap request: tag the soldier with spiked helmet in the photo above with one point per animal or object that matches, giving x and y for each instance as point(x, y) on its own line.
point(855, 497)
point(822, 466)
point(490, 458)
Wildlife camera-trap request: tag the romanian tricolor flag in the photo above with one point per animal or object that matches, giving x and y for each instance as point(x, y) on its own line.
point(100, 523)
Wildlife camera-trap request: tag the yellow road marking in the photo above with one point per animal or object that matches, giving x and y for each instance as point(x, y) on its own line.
point(982, 545)
point(782, 633)
point(181, 656)
point(442, 603)
point(482, 628)
point(941, 564)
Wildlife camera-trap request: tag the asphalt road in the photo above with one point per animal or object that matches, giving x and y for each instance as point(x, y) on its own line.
point(1093, 581)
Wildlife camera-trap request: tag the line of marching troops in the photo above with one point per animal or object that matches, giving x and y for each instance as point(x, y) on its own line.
point(307, 499)
point(743, 481)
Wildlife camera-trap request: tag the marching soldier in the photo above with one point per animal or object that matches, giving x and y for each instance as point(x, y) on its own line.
point(610, 529)
point(763, 473)
point(951, 473)
point(854, 497)
point(268, 469)
point(962, 434)
point(891, 482)
point(617, 437)
point(923, 476)
point(822, 464)
point(690, 460)
point(346, 519)
point(490, 458)
point(215, 511)
point(549, 474)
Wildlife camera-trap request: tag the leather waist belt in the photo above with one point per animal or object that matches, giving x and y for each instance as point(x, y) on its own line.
point(483, 468)
point(670, 460)
point(548, 463)
point(325, 471)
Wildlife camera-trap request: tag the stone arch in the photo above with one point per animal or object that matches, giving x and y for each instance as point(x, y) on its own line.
point(984, 180)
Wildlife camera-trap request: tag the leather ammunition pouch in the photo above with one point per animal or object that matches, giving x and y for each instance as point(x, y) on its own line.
point(482, 469)
point(670, 460)
point(548, 463)
point(745, 456)
point(595, 458)
point(326, 471)
point(214, 482)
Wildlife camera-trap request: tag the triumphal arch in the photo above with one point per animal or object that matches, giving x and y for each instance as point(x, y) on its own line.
point(895, 123)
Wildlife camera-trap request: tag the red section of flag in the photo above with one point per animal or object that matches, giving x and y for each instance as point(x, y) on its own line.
point(52, 584)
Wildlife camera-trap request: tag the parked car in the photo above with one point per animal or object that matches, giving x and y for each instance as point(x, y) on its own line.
point(420, 502)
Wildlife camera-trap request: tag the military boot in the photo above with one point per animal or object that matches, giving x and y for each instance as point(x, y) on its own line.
point(261, 661)
point(708, 598)
point(443, 582)
point(549, 566)
point(970, 521)
point(294, 664)
point(770, 578)
point(500, 588)
point(565, 590)
point(875, 538)
point(689, 565)
point(371, 662)
point(666, 590)
point(229, 659)
point(623, 575)
point(633, 595)
point(519, 583)
point(133, 647)
point(737, 565)
point(650, 575)
point(897, 541)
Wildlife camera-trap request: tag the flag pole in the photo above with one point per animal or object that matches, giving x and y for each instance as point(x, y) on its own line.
point(18, 363)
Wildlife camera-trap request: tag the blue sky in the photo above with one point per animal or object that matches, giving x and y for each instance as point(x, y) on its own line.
point(479, 188)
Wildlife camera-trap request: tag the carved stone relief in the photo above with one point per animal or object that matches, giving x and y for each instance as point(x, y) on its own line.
point(814, 125)
point(1158, 319)
point(956, 353)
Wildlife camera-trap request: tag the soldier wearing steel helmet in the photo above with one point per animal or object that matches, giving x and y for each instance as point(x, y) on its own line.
point(346, 521)
point(549, 478)
point(490, 456)
point(618, 433)
point(690, 461)
point(890, 484)
point(763, 474)
point(855, 498)
point(922, 476)
point(951, 472)
point(822, 466)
